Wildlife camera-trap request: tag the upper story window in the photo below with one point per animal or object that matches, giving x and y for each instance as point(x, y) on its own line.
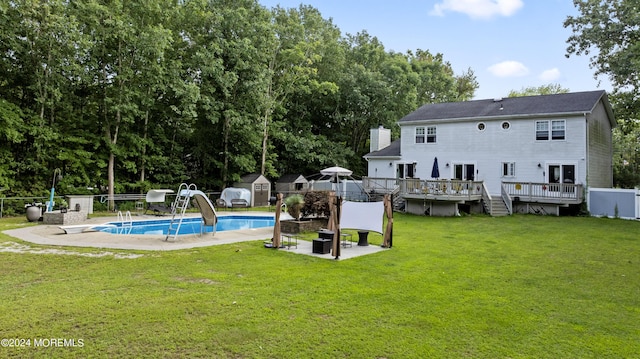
point(420, 134)
point(426, 134)
point(542, 130)
point(431, 134)
point(557, 130)
point(554, 130)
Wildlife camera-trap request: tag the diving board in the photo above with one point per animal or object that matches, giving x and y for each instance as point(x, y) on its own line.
point(79, 228)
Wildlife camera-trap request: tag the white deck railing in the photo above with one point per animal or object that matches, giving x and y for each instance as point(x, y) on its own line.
point(458, 189)
point(416, 186)
point(541, 192)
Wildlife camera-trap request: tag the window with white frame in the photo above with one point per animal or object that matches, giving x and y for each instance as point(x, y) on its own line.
point(542, 130)
point(431, 134)
point(508, 169)
point(550, 130)
point(557, 130)
point(420, 134)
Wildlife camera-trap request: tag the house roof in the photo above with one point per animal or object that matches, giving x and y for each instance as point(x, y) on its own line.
point(575, 103)
point(250, 178)
point(292, 178)
point(393, 150)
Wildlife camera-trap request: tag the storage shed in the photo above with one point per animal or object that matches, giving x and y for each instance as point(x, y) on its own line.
point(259, 186)
point(292, 183)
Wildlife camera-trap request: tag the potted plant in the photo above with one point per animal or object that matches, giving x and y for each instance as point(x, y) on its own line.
point(294, 204)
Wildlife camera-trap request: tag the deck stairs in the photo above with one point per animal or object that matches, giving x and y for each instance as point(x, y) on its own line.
point(498, 207)
point(398, 200)
point(178, 209)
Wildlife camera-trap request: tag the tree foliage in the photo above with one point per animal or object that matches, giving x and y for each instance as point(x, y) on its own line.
point(124, 96)
point(609, 31)
point(548, 89)
point(626, 141)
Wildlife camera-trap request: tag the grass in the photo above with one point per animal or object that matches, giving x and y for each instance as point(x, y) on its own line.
point(468, 287)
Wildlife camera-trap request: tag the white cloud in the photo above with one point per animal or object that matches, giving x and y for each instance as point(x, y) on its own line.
point(550, 75)
point(509, 69)
point(478, 9)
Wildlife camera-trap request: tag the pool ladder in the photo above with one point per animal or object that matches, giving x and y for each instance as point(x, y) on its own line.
point(126, 222)
point(178, 209)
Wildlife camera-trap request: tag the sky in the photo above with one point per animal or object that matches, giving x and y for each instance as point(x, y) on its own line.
point(509, 44)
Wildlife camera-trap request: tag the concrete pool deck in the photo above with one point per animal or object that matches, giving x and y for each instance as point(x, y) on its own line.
point(53, 235)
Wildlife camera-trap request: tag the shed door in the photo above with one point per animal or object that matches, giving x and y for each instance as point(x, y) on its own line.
point(261, 194)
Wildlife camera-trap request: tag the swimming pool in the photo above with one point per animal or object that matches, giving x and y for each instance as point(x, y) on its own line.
point(191, 225)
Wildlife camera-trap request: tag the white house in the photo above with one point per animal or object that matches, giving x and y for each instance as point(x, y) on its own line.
point(536, 153)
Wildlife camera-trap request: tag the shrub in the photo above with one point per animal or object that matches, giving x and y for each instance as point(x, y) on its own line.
point(316, 204)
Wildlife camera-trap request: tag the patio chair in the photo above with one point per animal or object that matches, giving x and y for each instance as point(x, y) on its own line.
point(221, 203)
point(158, 209)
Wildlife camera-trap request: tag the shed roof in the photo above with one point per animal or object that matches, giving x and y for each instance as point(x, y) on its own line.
point(292, 178)
point(250, 178)
point(575, 103)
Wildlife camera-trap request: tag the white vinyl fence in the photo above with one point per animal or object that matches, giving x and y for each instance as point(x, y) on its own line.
point(614, 202)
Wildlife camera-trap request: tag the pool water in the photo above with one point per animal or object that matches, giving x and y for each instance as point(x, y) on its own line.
point(189, 225)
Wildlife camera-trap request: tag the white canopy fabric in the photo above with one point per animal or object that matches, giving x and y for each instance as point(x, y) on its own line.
point(336, 171)
point(157, 195)
point(230, 193)
point(368, 216)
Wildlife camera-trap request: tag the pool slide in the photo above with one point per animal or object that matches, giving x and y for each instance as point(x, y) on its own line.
point(206, 207)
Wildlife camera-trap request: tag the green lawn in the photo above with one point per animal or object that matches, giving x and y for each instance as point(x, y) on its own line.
point(466, 287)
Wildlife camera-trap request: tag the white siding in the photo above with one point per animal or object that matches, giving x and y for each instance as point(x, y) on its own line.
point(462, 142)
point(380, 168)
point(600, 155)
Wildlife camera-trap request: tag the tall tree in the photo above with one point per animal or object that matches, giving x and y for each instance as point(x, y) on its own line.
point(124, 56)
point(230, 44)
point(38, 45)
point(609, 31)
point(301, 39)
point(626, 140)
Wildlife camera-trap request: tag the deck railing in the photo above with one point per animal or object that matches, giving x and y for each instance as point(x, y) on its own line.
point(544, 192)
point(415, 186)
point(381, 185)
point(458, 189)
point(506, 198)
point(451, 188)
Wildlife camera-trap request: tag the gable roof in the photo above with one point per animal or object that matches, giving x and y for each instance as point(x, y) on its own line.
point(292, 178)
point(250, 178)
point(575, 103)
point(393, 150)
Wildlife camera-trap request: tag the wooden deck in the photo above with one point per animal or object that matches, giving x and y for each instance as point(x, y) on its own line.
point(537, 192)
point(462, 191)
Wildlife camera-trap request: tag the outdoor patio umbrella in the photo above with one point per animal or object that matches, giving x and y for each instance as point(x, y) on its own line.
point(435, 171)
point(337, 172)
